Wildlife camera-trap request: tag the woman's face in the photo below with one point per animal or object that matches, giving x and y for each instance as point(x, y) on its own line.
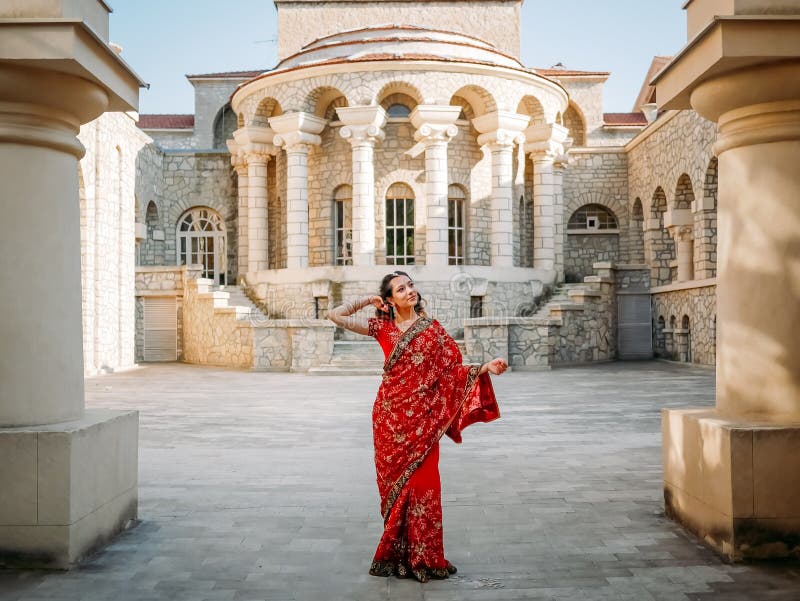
point(404, 295)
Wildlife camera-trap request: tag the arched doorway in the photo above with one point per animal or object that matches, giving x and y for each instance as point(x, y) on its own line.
point(201, 240)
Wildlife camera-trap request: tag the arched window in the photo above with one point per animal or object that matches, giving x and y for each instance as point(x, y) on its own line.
point(343, 225)
point(398, 110)
point(399, 225)
point(592, 217)
point(201, 240)
point(456, 206)
point(225, 124)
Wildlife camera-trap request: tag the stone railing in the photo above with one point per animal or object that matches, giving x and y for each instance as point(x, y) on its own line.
point(688, 311)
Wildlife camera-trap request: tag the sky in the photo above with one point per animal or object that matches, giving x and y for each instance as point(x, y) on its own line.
point(164, 40)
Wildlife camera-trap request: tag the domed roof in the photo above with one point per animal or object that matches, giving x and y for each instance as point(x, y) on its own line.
point(397, 42)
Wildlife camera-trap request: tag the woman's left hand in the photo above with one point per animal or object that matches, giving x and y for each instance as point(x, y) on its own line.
point(496, 366)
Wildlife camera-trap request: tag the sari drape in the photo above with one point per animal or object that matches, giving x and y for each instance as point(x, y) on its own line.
point(426, 392)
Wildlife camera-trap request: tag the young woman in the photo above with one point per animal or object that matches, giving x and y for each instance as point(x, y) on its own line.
point(426, 393)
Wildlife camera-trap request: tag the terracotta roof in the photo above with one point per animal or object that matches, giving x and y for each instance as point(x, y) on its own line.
point(228, 74)
point(569, 73)
point(165, 121)
point(624, 119)
point(647, 93)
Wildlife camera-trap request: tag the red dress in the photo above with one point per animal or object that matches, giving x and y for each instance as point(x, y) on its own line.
point(425, 393)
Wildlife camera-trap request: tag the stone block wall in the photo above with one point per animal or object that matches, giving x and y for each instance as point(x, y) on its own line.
point(292, 344)
point(583, 250)
point(108, 212)
point(695, 343)
point(212, 334)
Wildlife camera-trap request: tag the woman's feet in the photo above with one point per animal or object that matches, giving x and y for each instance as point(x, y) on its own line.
point(384, 569)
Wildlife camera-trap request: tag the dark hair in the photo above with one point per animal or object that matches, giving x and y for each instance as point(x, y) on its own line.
point(386, 291)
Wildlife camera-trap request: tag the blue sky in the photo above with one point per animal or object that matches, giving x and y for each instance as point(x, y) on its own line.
point(163, 40)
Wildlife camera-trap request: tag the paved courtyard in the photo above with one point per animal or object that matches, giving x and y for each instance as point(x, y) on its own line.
point(258, 486)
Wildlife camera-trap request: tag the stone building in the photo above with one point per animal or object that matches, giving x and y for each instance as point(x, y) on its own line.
point(379, 141)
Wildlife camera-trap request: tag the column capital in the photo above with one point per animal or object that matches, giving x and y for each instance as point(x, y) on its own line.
point(297, 131)
point(547, 141)
point(501, 128)
point(252, 141)
point(362, 124)
point(435, 125)
point(681, 233)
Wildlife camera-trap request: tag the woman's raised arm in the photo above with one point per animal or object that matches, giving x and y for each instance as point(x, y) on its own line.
point(344, 315)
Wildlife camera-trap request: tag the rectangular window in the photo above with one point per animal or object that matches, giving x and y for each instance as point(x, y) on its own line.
point(455, 231)
point(399, 231)
point(475, 306)
point(343, 234)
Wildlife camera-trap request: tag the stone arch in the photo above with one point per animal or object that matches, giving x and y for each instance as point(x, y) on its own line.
point(467, 112)
point(587, 245)
point(319, 100)
point(575, 122)
point(479, 99)
point(267, 107)
point(225, 123)
point(684, 193)
point(399, 87)
point(705, 225)
point(659, 245)
point(155, 243)
point(531, 106)
point(636, 233)
point(398, 100)
point(588, 198)
point(659, 342)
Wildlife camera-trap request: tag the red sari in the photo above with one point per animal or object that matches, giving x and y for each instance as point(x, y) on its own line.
point(426, 392)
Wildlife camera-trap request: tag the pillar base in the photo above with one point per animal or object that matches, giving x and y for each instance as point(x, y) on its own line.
point(68, 488)
point(734, 484)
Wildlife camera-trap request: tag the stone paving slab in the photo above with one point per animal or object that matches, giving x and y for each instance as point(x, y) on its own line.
point(261, 486)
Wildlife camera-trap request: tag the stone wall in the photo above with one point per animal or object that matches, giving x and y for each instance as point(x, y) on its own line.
point(212, 334)
point(108, 207)
point(695, 301)
point(584, 249)
point(292, 345)
point(302, 22)
point(199, 180)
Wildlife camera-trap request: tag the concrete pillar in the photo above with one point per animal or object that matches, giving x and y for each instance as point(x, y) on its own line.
point(732, 475)
point(243, 202)
point(435, 128)
point(296, 132)
point(69, 477)
point(363, 129)
point(499, 132)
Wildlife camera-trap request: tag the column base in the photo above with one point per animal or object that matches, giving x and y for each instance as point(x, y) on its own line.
point(734, 484)
point(68, 488)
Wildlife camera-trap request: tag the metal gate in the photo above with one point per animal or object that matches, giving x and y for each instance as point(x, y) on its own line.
point(160, 329)
point(634, 330)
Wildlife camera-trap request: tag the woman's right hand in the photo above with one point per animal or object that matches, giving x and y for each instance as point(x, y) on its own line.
point(377, 302)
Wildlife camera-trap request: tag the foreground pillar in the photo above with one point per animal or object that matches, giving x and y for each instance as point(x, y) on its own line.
point(68, 477)
point(363, 129)
point(732, 474)
point(239, 164)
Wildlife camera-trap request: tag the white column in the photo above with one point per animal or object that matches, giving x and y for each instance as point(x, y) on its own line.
point(684, 250)
point(257, 202)
point(254, 148)
point(297, 205)
point(544, 256)
point(363, 130)
point(296, 132)
point(546, 144)
point(500, 131)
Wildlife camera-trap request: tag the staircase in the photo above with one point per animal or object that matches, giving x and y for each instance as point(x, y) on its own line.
point(352, 358)
point(562, 297)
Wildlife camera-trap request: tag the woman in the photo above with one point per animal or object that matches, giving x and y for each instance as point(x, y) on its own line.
point(426, 392)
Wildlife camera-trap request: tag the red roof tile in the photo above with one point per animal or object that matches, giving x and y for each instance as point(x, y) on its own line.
point(624, 119)
point(166, 121)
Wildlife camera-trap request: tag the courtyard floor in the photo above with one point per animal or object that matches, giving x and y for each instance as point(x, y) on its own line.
point(258, 486)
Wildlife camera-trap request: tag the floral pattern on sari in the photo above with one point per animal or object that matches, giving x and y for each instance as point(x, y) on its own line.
point(426, 392)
